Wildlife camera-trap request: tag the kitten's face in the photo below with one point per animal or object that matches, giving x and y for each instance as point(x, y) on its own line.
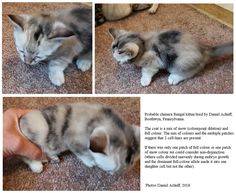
point(124, 46)
point(33, 46)
point(120, 152)
point(37, 38)
point(117, 161)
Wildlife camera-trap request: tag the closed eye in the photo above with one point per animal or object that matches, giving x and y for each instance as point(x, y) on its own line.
point(21, 51)
point(38, 57)
point(114, 46)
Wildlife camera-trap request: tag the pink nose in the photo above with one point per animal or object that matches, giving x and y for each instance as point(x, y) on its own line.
point(28, 60)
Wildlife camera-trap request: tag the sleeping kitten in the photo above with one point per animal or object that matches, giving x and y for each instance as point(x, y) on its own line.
point(56, 39)
point(113, 12)
point(94, 133)
point(177, 52)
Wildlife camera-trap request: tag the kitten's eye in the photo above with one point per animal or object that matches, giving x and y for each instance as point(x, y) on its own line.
point(21, 51)
point(39, 57)
point(114, 46)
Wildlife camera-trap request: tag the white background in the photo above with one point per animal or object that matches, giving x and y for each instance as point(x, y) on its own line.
point(203, 178)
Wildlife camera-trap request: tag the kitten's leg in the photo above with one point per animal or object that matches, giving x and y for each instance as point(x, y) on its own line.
point(153, 8)
point(35, 165)
point(86, 158)
point(54, 159)
point(175, 79)
point(45, 161)
point(147, 74)
point(56, 71)
point(81, 150)
point(84, 62)
point(149, 67)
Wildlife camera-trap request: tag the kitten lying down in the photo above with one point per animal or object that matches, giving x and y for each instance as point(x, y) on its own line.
point(55, 39)
point(94, 133)
point(177, 52)
point(118, 11)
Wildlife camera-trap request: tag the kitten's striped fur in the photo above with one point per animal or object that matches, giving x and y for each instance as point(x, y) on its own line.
point(94, 133)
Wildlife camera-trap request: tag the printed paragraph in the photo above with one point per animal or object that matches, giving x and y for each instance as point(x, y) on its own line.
point(185, 129)
point(184, 156)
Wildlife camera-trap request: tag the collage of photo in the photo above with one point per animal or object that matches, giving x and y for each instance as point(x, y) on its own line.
point(73, 78)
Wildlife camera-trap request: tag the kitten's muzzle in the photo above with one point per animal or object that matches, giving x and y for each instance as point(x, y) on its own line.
point(28, 60)
point(121, 63)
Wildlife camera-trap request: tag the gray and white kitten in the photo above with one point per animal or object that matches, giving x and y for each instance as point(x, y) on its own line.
point(177, 52)
point(94, 133)
point(56, 39)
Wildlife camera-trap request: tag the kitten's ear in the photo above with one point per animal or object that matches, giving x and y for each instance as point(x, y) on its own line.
point(116, 32)
point(129, 53)
point(131, 49)
point(18, 20)
point(59, 30)
point(98, 141)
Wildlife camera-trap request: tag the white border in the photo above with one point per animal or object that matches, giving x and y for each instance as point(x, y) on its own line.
point(142, 96)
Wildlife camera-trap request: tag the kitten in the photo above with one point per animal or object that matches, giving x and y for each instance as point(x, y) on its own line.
point(177, 52)
point(56, 39)
point(113, 12)
point(94, 133)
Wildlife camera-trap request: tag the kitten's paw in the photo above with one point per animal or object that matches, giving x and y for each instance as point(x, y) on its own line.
point(44, 161)
point(174, 79)
point(57, 78)
point(54, 159)
point(36, 166)
point(145, 81)
point(89, 163)
point(83, 65)
point(152, 10)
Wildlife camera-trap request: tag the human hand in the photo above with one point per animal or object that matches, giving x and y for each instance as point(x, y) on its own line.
point(14, 142)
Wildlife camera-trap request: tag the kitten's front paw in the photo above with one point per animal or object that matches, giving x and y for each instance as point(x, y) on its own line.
point(83, 65)
point(36, 166)
point(152, 10)
point(57, 78)
point(54, 159)
point(145, 81)
point(174, 79)
point(44, 161)
point(89, 163)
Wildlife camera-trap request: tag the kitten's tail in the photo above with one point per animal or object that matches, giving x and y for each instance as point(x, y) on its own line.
point(222, 50)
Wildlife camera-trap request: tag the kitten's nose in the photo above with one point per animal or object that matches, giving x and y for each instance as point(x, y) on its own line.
point(28, 59)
